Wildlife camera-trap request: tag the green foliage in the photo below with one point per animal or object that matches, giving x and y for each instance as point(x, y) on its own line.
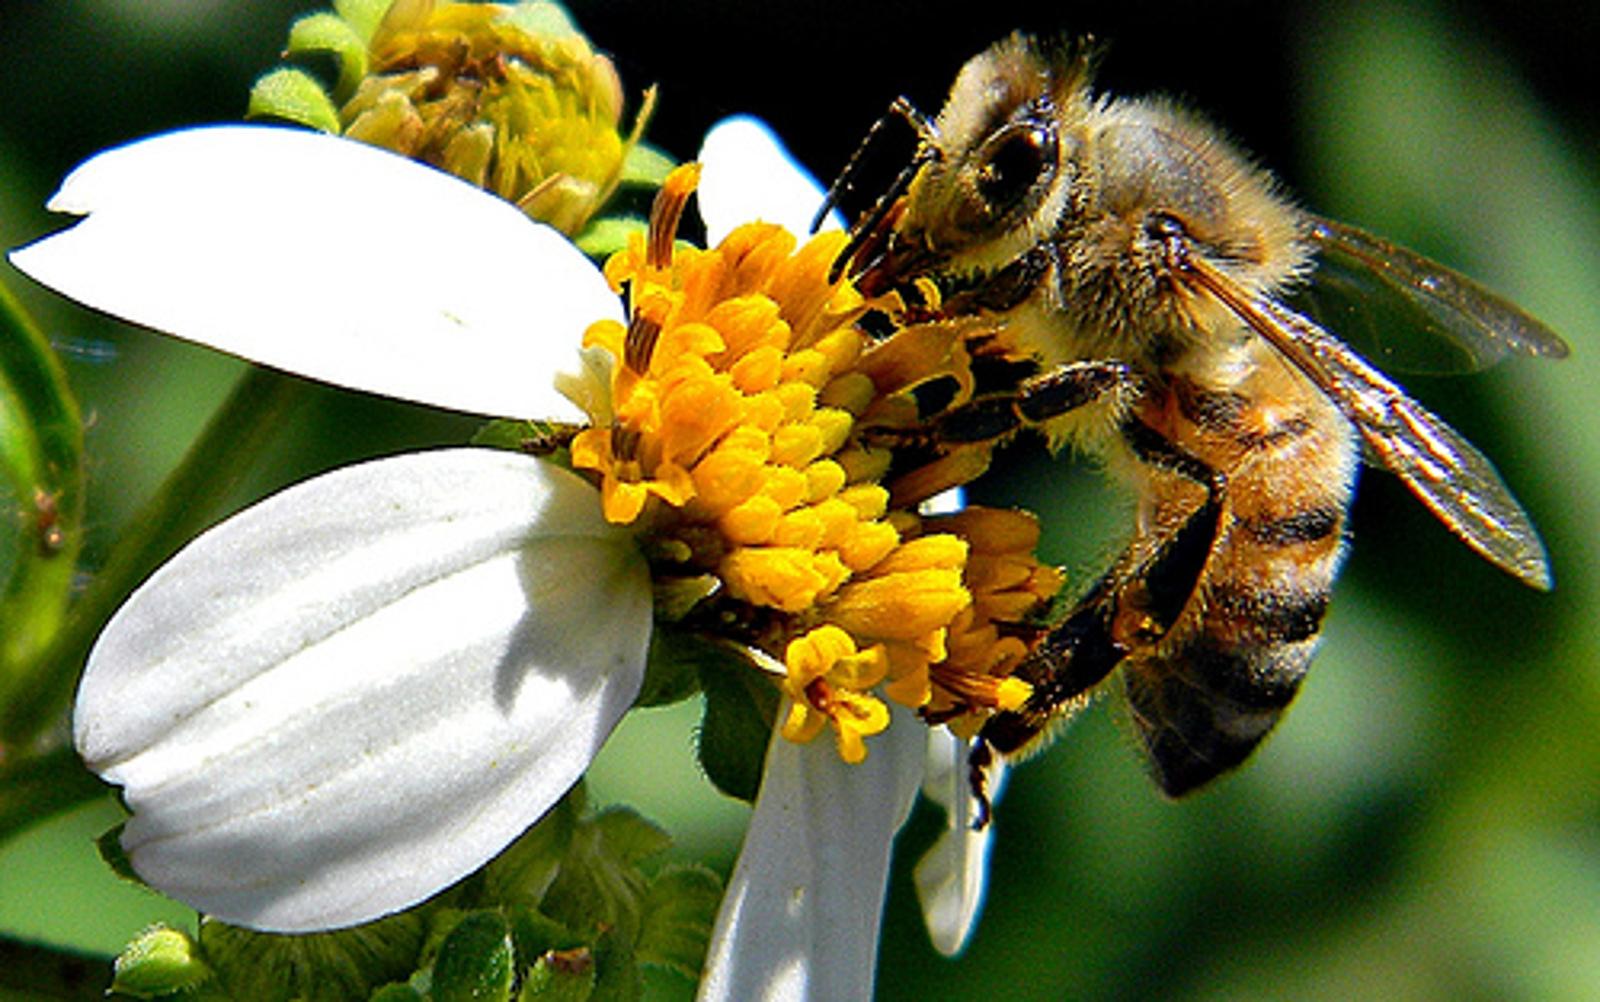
point(328, 33)
point(321, 967)
point(523, 873)
point(568, 912)
point(646, 165)
point(161, 961)
point(517, 435)
point(741, 706)
point(41, 494)
point(679, 908)
point(476, 960)
point(673, 671)
point(605, 235)
point(291, 95)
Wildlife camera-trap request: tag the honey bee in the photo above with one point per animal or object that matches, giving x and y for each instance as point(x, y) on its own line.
point(1146, 270)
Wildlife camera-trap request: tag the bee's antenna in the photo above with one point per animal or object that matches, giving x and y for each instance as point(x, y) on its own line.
point(901, 108)
point(866, 229)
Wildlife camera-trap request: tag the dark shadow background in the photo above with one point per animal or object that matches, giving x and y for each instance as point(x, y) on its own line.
point(1426, 824)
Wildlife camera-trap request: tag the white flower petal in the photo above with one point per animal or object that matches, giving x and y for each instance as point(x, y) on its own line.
point(950, 876)
point(799, 922)
point(946, 502)
point(331, 259)
point(356, 692)
point(748, 175)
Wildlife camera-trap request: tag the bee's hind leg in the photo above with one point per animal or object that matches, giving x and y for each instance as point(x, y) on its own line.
point(1132, 606)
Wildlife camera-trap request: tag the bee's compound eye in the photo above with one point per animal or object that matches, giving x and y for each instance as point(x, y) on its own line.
point(1015, 162)
point(1163, 226)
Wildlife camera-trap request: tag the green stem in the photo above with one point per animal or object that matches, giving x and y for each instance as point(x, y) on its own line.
point(223, 453)
point(41, 483)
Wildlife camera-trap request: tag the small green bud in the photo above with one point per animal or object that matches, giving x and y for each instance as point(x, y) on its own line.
point(159, 961)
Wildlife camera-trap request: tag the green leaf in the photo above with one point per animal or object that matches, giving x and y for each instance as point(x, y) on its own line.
point(597, 886)
point(606, 235)
point(627, 837)
point(536, 934)
point(646, 165)
point(476, 961)
point(523, 873)
point(397, 993)
point(161, 960)
point(292, 95)
point(601, 892)
point(672, 673)
point(679, 911)
point(741, 707)
point(328, 33)
point(321, 967)
point(41, 494)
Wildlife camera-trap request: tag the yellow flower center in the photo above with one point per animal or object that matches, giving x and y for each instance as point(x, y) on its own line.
point(730, 433)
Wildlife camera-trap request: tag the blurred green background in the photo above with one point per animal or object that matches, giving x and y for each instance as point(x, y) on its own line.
point(1426, 822)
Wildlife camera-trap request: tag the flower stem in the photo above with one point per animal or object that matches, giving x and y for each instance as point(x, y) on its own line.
point(214, 463)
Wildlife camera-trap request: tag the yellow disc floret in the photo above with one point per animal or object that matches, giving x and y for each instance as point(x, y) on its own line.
point(730, 424)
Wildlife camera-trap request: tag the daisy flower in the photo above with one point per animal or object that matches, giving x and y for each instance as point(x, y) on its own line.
point(349, 696)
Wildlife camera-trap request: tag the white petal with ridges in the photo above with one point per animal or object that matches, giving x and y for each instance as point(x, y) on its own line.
point(356, 692)
point(331, 259)
point(951, 875)
point(748, 175)
point(799, 921)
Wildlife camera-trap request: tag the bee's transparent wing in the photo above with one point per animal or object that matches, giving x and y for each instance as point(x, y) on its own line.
point(1408, 313)
point(1446, 473)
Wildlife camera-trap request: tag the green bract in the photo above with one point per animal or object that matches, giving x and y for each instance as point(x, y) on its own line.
point(568, 912)
point(293, 96)
point(477, 960)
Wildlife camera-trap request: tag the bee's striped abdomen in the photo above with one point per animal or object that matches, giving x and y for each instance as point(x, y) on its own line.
point(1204, 697)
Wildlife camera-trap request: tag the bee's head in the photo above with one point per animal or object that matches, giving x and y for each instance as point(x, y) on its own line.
point(1025, 164)
point(994, 166)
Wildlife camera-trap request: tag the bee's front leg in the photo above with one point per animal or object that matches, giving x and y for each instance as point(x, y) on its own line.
point(991, 416)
